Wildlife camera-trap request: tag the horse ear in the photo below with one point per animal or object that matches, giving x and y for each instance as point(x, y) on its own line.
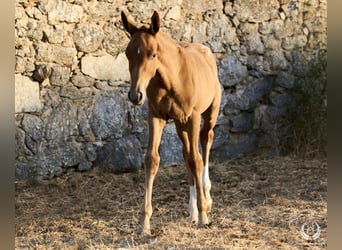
point(129, 24)
point(155, 22)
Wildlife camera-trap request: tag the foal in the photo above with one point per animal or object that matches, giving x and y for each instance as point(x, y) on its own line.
point(181, 83)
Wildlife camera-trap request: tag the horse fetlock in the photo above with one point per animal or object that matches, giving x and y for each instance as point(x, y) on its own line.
point(146, 230)
point(203, 219)
point(194, 216)
point(209, 204)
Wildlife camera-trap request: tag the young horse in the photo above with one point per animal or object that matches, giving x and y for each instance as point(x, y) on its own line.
point(181, 83)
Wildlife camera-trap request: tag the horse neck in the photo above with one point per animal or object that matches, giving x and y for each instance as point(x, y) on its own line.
point(170, 61)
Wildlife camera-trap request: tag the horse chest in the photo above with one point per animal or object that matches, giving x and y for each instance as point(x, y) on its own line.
point(170, 108)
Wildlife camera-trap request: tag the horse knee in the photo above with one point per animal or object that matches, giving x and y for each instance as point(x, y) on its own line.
point(152, 162)
point(196, 164)
point(206, 136)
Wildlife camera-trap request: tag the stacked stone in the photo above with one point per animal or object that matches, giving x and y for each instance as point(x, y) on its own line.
point(72, 77)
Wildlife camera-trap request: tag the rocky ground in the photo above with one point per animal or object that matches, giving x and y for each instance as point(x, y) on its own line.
point(258, 204)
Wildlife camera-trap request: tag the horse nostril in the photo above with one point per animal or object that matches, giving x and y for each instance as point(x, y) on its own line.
point(135, 97)
point(129, 96)
point(139, 96)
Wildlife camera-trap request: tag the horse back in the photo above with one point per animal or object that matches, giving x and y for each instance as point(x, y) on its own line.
point(201, 66)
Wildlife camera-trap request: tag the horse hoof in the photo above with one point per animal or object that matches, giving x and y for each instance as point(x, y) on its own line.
point(144, 232)
point(208, 225)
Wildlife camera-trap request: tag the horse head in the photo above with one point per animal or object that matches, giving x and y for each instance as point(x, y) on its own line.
point(142, 55)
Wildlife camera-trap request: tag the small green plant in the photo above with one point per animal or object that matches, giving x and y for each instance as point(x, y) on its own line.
point(307, 3)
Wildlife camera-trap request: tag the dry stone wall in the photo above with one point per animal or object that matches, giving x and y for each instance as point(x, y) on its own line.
point(71, 77)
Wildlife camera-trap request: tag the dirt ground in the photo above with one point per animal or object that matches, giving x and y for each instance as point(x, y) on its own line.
point(257, 204)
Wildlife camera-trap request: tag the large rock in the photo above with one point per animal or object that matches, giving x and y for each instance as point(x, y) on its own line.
point(34, 131)
point(255, 11)
point(55, 53)
point(60, 75)
point(56, 156)
point(115, 40)
point(109, 115)
point(232, 71)
point(62, 122)
point(170, 147)
point(241, 123)
point(26, 95)
point(122, 155)
point(106, 67)
point(227, 145)
point(61, 11)
point(88, 37)
point(247, 98)
point(201, 6)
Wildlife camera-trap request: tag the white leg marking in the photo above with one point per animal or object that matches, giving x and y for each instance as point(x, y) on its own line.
point(193, 204)
point(207, 184)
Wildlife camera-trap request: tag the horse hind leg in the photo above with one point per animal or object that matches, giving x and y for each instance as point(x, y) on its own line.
point(206, 142)
point(206, 138)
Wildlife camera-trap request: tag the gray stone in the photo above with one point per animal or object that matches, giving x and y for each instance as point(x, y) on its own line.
point(265, 116)
point(60, 75)
point(88, 37)
point(109, 115)
point(274, 27)
point(55, 156)
point(58, 34)
point(34, 33)
point(33, 126)
point(19, 143)
point(283, 101)
point(234, 145)
point(173, 13)
point(221, 136)
point(256, 11)
point(84, 166)
point(218, 29)
point(101, 10)
point(285, 79)
point(122, 155)
point(72, 92)
point(247, 98)
point(170, 149)
point(62, 122)
point(60, 11)
point(27, 169)
point(201, 6)
point(81, 80)
point(241, 123)
point(106, 67)
point(26, 95)
point(231, 71)
point(254, 44)
point(276, 60)
point(290, 43)
point(115, 40)
point(54, 53)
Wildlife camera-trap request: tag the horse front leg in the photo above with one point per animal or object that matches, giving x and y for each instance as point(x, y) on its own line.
point(183, 135)
point(151, 166)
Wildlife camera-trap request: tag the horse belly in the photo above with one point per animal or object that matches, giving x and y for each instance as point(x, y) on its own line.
point(206, 89)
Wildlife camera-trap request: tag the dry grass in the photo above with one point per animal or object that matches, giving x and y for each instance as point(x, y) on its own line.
point(258, 204)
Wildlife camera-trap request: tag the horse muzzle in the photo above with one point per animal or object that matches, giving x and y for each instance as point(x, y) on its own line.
point(136, 97)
